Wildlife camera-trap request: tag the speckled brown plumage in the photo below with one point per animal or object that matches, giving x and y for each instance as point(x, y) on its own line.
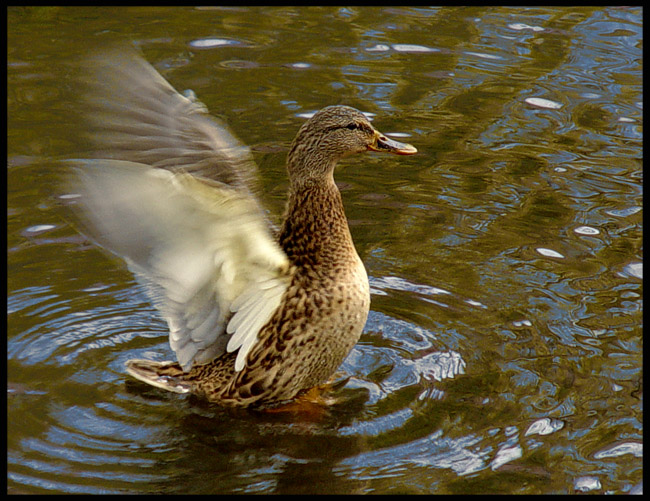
point(320, 318)
point(324, 288)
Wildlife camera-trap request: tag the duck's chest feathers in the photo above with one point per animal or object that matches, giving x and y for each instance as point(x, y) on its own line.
point(330, 280)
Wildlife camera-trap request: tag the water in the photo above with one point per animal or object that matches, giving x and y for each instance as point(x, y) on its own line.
point(503, 352)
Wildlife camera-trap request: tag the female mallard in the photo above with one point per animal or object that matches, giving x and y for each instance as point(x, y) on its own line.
point(255, 315)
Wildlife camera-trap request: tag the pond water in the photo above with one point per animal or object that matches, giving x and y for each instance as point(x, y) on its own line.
point(503, 351)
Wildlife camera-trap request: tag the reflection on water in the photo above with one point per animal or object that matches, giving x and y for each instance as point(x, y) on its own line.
point(503, 350)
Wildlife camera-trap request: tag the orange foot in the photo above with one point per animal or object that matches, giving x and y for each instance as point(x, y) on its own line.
point(313, 404)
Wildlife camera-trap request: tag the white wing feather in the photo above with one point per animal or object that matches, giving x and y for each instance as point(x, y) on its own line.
point(203, 249)
point(260, 304)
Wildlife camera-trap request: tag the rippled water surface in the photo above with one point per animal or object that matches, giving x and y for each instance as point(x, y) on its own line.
point(503, 352)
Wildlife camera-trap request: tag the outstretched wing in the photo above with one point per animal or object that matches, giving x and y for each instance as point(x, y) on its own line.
point(171, 193)
point(134, 114)
point(203, 249)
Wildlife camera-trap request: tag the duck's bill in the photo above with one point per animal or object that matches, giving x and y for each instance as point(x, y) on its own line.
point(386, 145)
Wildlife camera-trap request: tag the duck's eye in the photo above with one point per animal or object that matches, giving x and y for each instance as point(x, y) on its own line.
point(351, 126)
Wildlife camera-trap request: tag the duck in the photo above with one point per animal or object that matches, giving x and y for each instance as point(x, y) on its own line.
point(258, 314)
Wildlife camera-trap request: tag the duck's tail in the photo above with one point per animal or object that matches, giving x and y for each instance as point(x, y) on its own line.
point(166, 375)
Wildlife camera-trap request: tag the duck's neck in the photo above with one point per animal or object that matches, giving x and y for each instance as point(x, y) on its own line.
point(315, 230)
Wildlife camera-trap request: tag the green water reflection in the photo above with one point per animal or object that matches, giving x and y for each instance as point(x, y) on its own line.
point(475, 246)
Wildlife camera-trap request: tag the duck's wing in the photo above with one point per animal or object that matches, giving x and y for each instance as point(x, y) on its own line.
point(202, 244)
point(132, 113)
point(202, 247)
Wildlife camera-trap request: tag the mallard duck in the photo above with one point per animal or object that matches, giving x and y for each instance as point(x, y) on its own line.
point(257, 315)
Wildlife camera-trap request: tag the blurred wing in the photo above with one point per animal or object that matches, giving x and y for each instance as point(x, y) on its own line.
point(203, 249)
point(134, 114)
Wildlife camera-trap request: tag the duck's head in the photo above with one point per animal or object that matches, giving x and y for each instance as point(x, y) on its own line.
point(331, 134)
